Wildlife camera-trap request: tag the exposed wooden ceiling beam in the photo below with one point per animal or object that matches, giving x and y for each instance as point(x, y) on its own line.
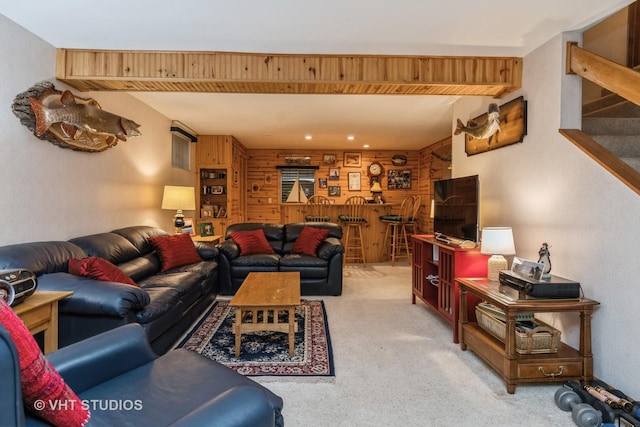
point(96, 70)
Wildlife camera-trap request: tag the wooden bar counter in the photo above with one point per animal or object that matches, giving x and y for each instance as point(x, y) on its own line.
point(373, 230)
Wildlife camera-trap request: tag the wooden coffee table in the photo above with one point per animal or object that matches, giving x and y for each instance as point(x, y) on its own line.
point(266, 292)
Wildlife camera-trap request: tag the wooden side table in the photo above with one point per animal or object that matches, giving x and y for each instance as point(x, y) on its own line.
point(209, 239)
point(39, 313)
point(567, 364)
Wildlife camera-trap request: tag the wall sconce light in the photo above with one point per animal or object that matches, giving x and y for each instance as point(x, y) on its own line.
point(497, 241)
point(178, 198)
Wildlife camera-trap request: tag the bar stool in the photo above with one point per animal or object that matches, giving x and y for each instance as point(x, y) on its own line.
point(412, 223)
point(354, 219)
point(317, 209)
point(395, 235)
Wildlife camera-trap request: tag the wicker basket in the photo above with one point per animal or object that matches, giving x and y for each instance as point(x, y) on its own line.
point(541, 339)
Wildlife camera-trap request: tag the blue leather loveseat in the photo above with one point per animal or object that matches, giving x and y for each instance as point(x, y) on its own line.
point(320, 274)
point(123, 383)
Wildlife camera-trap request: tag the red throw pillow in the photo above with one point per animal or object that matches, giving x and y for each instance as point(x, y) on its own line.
point(175, 250)
point(99, 269)
point(44, 391)
point(309, 239)
point(251, 242)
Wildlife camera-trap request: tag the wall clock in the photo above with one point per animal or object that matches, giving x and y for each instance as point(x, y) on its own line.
point(375, 169)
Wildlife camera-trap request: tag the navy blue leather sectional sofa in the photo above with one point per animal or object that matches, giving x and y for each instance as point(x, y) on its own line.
point(165, 303)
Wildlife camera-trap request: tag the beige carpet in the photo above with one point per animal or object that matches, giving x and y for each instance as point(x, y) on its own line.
point(396, 365)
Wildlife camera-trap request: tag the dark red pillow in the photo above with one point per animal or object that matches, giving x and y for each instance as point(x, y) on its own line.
point(99, 269)
point(251, 242)
point(44, 391)
point(175, 250)
point(309, 239)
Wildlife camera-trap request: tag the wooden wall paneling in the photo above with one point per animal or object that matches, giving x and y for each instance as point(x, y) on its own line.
point(213, 151)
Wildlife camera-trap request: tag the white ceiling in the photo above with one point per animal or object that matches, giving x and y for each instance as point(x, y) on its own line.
point(384, 27)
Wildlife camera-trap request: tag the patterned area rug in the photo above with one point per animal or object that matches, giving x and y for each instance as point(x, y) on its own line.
point(266, 353)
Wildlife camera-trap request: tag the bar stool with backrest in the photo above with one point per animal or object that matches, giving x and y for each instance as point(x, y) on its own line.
point(395, 235)
point(412, 223)
point(317, 209)
point(353, 219)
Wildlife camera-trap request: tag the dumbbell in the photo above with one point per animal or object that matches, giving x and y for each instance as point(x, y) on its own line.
point(628, 404)
point(582, 414)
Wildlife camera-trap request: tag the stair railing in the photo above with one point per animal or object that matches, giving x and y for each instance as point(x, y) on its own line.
point(618, 79)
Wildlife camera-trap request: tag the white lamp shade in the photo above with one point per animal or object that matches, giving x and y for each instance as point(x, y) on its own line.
point(178, 198)
point(497, 241)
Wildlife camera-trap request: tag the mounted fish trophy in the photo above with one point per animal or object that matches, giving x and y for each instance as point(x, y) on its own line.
point(69, 121)
point(498, 127)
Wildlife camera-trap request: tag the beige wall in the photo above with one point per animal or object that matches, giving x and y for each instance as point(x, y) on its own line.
point(53, 193)
point(549, 191)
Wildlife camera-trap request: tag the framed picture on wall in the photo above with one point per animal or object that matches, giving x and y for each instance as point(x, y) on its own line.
point(354, 181)
point(334, 190)
point(322, 182)
point(352, 160)
point(334, 174)
point(329, 159)
point(399, 179)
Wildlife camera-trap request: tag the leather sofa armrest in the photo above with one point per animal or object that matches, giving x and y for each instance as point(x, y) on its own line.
point(99, 358)
point(207, 251)
point(237, 407)
point(94, 297)
point(330, 247)
point(229, 249)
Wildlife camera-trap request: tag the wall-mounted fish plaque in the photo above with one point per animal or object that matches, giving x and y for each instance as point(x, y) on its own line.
point(512, 128)
point(69, 121)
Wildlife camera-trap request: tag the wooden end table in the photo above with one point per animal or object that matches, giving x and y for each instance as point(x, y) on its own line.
point(264, 292)
point(567, 364)
point(39, 313)
point(209, 239)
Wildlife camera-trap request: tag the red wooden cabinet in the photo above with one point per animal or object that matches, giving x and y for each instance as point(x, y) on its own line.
point(435, 266)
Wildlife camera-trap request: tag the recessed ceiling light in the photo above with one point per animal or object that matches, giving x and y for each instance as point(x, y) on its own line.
point(308, 137)
point(365, 146)
point(351, 137)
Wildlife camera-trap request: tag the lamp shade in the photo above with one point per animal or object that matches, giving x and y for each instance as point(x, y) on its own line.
point(375, 188)
point(497, 241)
point(178, 198)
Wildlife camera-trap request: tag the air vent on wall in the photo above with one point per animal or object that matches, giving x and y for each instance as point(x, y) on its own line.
point(180, 128)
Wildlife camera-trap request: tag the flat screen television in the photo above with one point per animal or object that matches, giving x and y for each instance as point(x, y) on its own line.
point(456, 207)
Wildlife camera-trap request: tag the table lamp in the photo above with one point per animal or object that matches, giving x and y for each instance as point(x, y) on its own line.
point(178, 198)
point(497, 241)
point(376, 191)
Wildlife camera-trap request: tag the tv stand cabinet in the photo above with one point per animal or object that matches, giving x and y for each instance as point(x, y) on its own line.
point(431, 257)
